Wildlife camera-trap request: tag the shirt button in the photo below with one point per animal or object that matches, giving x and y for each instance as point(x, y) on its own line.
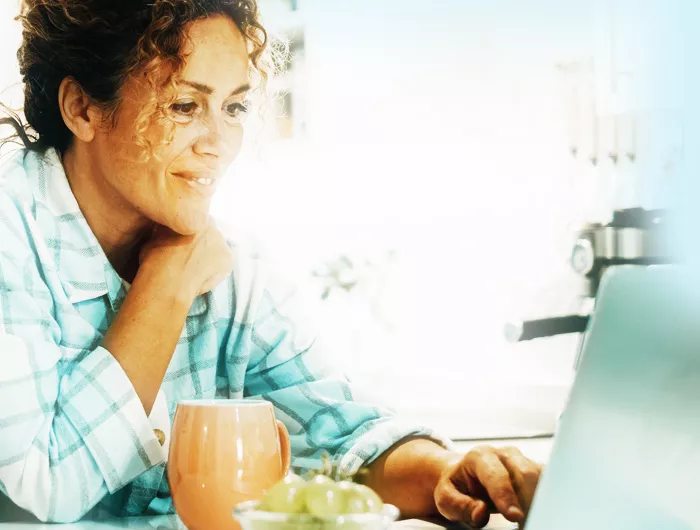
point(160, 435)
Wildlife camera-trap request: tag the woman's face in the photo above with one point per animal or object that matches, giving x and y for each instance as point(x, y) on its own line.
point(174, 186)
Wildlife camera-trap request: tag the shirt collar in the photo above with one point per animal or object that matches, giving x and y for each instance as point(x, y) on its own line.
point(78, 258)
point(80, 262)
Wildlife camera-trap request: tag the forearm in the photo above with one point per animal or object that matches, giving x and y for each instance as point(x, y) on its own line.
point(407, 474)
point(145, 332)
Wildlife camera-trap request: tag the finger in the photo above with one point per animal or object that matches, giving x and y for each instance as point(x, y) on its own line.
point(456, 506)
point(214, 282)
point(494, 477)
point(524, 473)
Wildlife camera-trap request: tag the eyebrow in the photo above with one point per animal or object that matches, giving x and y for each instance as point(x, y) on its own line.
point(201, 87)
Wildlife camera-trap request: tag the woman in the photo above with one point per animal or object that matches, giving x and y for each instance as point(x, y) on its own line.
point(119, 296)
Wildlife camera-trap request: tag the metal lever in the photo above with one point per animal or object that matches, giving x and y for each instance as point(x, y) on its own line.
point(545, 327)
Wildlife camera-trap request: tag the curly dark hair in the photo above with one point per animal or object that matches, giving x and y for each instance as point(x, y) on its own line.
point(100, 43)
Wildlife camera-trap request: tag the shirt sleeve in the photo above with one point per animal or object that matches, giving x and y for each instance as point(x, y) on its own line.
point(72, 428)
point(290, 366)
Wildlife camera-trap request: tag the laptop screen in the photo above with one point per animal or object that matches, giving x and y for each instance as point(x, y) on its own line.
point(627, 454)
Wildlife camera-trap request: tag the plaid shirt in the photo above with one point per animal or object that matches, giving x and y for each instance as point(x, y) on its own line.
point(74, 438)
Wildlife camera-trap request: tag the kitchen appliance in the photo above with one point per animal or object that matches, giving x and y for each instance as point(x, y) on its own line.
point(634, 236)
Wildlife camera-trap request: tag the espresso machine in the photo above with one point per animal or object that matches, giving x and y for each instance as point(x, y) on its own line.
point(633, 236)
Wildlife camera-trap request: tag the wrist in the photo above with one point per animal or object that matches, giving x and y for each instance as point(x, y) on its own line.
point(439, 461)
point(164, 284)
point(408, 474)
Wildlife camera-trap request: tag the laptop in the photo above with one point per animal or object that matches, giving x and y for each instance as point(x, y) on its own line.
point(627, 451)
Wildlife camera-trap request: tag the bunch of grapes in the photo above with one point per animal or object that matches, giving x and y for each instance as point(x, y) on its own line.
point(318, 494)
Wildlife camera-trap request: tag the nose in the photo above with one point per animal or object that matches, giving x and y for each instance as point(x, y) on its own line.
point(218, 140)
point(210, 141)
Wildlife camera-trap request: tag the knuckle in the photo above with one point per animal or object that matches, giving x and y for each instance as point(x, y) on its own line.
point(509, 452)
point(481, 450)
point(530, 473)
point(443, 502)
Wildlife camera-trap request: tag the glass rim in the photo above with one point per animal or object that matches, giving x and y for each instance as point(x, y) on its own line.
point(222, 402)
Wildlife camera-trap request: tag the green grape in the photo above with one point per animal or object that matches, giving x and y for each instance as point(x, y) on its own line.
point(324, 498)
point(361, 499)
point(287, 496)
point(292, 478)
point(321, 479)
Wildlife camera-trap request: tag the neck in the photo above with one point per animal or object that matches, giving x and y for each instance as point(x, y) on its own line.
point(118, 227)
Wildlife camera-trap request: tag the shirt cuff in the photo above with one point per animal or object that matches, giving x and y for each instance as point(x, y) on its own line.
point(160, 421)
point(99, 399)
point(383, 434)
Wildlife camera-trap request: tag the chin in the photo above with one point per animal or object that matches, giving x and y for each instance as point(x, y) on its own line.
point(189, 225)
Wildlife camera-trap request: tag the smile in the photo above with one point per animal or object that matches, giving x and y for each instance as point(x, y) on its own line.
point(196, 182)
point(203, 182)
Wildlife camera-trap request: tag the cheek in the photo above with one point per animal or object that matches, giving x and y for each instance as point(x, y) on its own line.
point(174, 143)
point(121, 163)
point(135, 156)
point(180, 142)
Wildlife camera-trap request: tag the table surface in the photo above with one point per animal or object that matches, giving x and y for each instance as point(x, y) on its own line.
point(171, 522)
point(537, 449)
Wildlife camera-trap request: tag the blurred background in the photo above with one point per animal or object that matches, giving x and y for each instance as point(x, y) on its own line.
point(441, 172)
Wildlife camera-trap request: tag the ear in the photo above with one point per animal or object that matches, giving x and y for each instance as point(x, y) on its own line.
point(79, 113)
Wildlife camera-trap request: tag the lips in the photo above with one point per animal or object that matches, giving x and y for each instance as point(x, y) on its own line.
point(196, 180)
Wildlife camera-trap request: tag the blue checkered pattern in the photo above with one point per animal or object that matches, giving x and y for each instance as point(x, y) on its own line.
point(74, 438)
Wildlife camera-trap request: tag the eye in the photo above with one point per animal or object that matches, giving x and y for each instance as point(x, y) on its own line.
point(237, 110)
point(184, 108)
